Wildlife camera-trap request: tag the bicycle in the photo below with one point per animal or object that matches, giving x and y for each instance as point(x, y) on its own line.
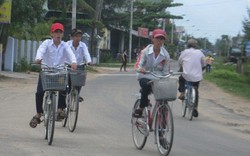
point(53, 81)
point(160, 121)
point(77, 80)
point(190, 101)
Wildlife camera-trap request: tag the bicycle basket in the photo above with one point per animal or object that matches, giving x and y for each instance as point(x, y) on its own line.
point(78, 77)
point(54, 80)
point(165, 89)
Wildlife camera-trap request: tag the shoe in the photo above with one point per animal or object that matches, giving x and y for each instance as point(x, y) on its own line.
point(80, 99)
point(34, 121)
point(163, 143)
point(60, 115)
point(182, 96)
point(138, 112)
point(195, 113)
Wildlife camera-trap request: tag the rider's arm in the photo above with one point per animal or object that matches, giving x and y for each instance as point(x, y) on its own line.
point(86, 54)
point(71, 56)
point(41, 51)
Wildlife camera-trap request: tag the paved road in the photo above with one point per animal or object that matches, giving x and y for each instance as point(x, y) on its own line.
point(104, 127)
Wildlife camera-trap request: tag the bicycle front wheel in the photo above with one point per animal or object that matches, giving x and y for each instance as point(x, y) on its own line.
point(73, 110)
point(164, 129)
point(51, 108)
point(140, 128)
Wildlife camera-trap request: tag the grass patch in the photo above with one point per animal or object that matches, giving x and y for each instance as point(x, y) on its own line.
point(225, 76)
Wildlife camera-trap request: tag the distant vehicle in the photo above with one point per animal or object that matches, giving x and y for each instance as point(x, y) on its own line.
point(235, 53)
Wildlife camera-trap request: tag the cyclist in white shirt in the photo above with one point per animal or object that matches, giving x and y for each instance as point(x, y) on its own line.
point(192, 62)
point(52, 52)
point(79, 48)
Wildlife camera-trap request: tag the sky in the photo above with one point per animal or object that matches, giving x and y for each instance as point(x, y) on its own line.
point(211, 18)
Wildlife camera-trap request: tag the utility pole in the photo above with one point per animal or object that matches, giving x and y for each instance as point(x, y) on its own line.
point(73, 25)
point(131, 28)
point(172, 32)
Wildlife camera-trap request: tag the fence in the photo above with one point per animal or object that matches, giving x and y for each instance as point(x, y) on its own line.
point(17, 50)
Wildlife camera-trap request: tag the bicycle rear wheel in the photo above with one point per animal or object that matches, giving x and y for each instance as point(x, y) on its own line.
point(140, 128)
point(68, 100)
point(191, 102)
point(51, 119)
point(164, 129)
point(73, 110)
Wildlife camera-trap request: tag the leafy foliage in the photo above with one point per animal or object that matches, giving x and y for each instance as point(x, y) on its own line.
point(24, 17)
point(246, 26)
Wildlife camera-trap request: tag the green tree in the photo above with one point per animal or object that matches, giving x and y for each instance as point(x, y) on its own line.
point(24, 17)
point(246, 26)
point(1, 2)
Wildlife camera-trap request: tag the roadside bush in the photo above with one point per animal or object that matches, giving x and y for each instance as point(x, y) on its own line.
point(227, 75)
point(23, 66)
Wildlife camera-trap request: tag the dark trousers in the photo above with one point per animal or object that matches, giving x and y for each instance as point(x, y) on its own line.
point(208, 68)
point(40, 94)
point(124, 64)
point(146, 89)
point(182, 87)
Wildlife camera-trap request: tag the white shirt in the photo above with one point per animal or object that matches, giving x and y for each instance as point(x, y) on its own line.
point(54, 56)
point(192, 60)
point(81, 52)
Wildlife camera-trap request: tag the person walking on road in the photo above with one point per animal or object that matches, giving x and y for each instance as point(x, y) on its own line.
point(52, 52)
point(124, 56)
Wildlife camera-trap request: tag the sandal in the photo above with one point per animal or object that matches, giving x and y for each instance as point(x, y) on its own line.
point(60, 115)
point(138, 112)
point(34, 121)
point(80, 99)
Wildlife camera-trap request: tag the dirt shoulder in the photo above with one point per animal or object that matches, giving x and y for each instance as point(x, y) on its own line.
point(225, 108)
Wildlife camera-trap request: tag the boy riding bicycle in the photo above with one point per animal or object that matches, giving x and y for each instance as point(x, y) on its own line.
point(52, 52)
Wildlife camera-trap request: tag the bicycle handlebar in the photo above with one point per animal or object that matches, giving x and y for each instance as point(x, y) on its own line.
point(51, 67)
point(161, 76)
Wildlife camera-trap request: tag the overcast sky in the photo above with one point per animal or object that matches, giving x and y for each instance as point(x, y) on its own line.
point(211, 18)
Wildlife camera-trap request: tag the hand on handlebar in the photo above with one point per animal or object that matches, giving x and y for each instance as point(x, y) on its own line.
point(142, 70)
point(74, 66)
point(38, 61)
